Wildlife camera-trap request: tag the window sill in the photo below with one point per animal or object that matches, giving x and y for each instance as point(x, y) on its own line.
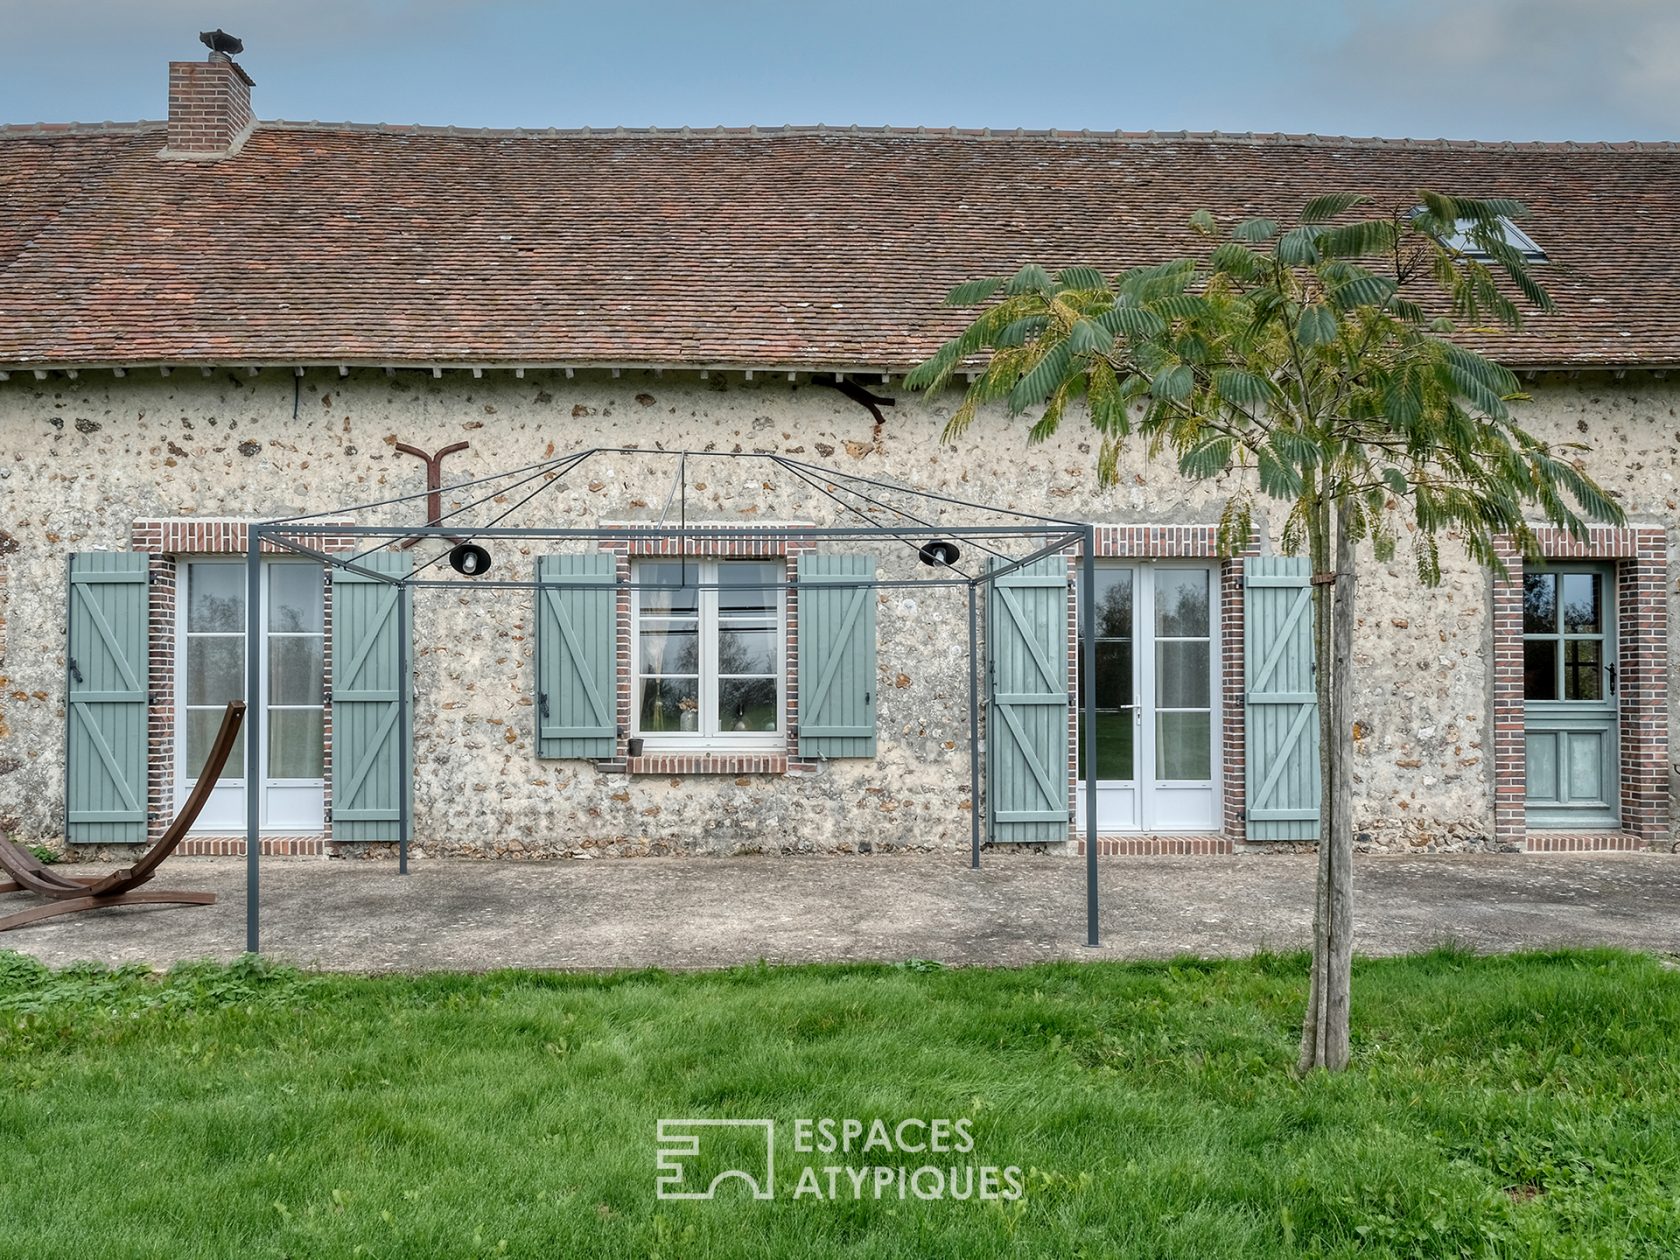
point(708, 763)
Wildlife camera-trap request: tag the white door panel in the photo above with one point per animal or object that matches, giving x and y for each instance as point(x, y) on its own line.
point(289, 713)
point(1158, 698)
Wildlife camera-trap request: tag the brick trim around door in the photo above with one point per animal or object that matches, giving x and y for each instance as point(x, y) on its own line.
point(1182, 542)
point(1640, 554)
point(164, 539)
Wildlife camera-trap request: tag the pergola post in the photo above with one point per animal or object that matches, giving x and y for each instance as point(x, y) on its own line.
point(974, 726)
point(253, 731)
point(1088, 704)
point(405, 688)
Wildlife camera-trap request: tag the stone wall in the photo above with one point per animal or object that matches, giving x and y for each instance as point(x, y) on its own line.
point(81, 460)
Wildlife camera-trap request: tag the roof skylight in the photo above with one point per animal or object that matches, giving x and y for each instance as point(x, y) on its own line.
point(1460, 239)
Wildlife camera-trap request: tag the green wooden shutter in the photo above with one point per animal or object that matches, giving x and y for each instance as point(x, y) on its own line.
point(105, 743)
point(577, 656)
point(1027, 713)
point(1281, 710)
point(368, 775)
point(836, 655)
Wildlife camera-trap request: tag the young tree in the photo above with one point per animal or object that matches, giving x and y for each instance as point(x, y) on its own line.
point(1324, 362)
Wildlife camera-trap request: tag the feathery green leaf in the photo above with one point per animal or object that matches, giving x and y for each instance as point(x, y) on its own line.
point(1323, 209)
point(1254, 231)
point(1031, 279)
point(973, 292)
point(1080, 278)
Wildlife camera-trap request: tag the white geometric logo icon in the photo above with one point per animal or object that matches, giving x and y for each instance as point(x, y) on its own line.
point(680, 1140)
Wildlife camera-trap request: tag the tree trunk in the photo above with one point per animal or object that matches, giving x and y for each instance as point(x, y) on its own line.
point(1324, 1033)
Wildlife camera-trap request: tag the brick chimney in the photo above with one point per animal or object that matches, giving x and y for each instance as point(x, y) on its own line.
point(209, 108)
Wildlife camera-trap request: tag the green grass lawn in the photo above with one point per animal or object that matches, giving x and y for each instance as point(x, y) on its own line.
point(1518, 1106)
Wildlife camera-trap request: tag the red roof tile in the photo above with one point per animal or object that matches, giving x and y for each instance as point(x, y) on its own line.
point(798, 248)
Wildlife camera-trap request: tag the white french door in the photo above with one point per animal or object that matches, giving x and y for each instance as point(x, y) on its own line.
point(289, 713)
point(1157, 693)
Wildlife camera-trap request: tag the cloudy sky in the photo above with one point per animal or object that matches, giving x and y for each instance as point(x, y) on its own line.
point(1488, 69)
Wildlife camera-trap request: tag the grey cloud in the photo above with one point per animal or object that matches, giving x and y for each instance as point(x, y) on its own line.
point(1618, 58)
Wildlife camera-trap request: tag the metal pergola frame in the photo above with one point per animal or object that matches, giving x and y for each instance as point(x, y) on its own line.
point(1055, 536)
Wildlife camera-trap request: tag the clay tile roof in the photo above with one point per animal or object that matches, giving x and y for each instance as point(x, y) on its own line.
point(774, 247)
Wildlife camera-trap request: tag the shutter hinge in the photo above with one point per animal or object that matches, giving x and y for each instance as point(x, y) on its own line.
point(151, 699)
point(328, 814)
point(152, 576)
point(151, 815)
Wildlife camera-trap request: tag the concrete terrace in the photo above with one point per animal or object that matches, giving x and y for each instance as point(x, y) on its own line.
point(713, 912)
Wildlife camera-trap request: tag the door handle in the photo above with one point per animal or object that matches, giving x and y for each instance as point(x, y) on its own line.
point(1612, 668)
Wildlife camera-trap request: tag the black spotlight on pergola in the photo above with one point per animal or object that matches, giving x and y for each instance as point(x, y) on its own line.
point(469, 559)
point(1022, 557)
point(939, 554)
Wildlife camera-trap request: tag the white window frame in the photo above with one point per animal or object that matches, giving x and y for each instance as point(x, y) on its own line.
point(235, 781)
point(707, 737)
point(1146, 802)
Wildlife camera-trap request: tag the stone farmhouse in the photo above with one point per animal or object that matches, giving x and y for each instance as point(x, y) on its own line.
point(212, 320)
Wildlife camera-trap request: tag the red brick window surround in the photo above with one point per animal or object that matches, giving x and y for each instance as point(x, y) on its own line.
point(1640, 554)
point(701, 542)
point(1161, 542)
point(166, 540)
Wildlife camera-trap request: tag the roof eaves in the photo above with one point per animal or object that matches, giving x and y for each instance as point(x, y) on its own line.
point(880, 368)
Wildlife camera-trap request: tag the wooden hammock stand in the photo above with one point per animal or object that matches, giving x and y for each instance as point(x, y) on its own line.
point(72, 895)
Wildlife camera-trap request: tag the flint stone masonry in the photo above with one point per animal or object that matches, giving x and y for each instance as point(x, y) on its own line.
point(83, 460)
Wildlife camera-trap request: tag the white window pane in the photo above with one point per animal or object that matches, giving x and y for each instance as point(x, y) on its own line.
point(215, 670)
point(295, 671)
point(1114, 675)
point(216, 597)
point(1183, 675)
point(202, 725)
point(747, 704)
point(295, 744)
point(669, 704)
point(671, 650)
point(747, 652)
point(294, 597)
point(1581, 604)
point(1183, 746)
point(1114, 604)
point(749, 588)
point(1181, 602)
point(677, 586)
point(1540, 603)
